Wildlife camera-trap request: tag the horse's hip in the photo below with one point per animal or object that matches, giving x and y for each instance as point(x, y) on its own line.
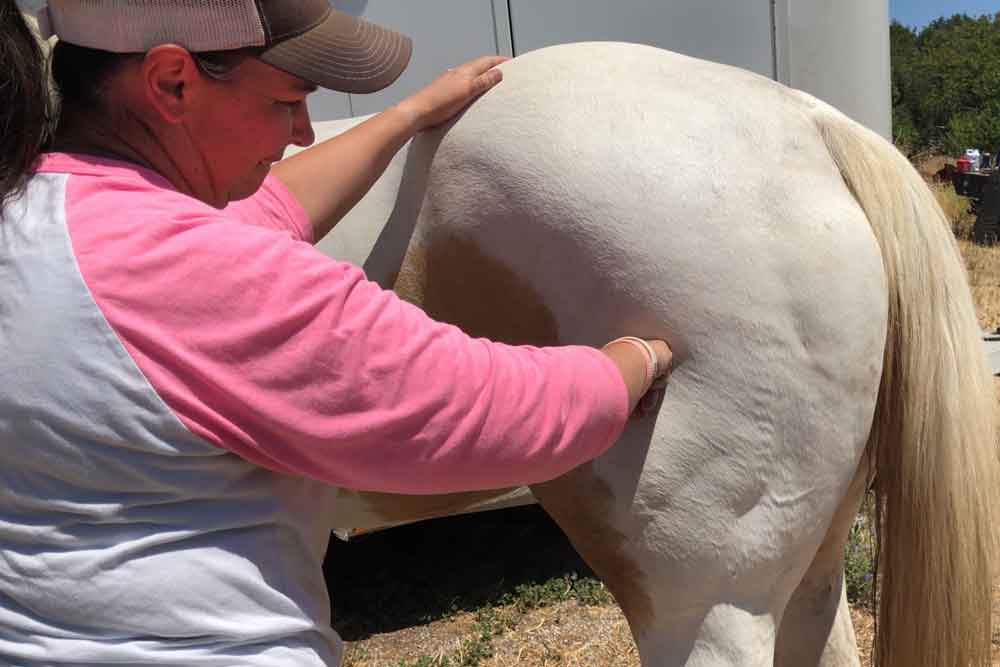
point(760, 270)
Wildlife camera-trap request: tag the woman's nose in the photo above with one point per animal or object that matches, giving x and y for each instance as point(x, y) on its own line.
point(302, 130)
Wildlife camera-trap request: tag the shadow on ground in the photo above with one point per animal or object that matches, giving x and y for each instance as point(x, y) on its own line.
point(416, 574)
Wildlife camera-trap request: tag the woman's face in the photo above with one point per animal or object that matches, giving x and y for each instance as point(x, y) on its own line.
point(244, 125)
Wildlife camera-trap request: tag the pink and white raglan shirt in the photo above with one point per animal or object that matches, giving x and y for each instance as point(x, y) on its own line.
point(180, 389)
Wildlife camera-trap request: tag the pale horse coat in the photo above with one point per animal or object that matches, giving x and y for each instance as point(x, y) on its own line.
point(608, 189)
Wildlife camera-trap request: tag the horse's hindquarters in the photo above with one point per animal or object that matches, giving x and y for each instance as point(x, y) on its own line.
point(697, 204)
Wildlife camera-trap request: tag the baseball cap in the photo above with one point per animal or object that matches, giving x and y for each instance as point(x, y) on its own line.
point(307, 38)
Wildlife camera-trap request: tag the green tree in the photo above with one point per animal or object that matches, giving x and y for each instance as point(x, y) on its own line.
point(904, 53)
point(946, 84)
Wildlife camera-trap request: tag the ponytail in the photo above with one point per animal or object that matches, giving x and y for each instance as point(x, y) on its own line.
point(26, 109)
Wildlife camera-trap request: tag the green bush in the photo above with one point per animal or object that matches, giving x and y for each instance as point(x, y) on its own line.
point(946, 85)
point(859, 562)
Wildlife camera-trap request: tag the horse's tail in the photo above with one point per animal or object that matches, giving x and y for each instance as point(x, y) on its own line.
point(933, 439)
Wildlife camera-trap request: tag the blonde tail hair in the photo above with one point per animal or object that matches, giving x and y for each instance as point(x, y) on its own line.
point(933, 440)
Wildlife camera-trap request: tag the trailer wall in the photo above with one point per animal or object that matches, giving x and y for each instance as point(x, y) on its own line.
point(837, 50)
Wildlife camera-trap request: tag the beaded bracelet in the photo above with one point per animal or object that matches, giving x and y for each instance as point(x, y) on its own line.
point(652, 364)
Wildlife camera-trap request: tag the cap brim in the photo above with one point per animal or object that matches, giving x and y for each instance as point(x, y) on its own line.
point(344, 53)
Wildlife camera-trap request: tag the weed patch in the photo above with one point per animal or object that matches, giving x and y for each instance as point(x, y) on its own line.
point(859, 562)
point(956, 209)
point(587, 591)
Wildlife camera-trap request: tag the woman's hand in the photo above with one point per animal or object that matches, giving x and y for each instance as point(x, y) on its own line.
point(644, 365)
point(452, 91)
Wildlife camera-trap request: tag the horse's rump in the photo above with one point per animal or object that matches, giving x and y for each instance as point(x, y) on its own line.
point(609, 189)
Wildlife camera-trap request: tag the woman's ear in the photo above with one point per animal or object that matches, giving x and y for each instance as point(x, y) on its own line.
point(170, 81)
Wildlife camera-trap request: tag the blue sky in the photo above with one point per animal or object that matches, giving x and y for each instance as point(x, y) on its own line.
point(918, 13)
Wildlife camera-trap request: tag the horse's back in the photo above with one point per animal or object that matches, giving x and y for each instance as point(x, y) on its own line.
point(608, 189)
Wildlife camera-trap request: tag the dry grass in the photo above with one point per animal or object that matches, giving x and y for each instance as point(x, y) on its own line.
point(956, 208)
point(436, 640)
point(568, 635)
point(983, 263)
point(564, 635)
point(930, 165)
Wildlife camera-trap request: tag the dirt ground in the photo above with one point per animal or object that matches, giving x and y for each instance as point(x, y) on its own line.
point(390, 591)
point(567, 634)
point(984, 279)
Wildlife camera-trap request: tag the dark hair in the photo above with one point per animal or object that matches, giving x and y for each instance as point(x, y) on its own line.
point(26, 111)
point(80, 73)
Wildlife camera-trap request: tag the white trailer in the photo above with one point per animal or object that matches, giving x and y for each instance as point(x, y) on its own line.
point(838, 50)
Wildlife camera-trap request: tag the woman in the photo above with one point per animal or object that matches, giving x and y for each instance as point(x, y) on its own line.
point(184, 376)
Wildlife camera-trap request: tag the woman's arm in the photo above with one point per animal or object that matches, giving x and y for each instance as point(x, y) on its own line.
point(330, 178)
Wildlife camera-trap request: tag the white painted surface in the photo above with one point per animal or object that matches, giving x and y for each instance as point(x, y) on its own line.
point(733, 33)
point(326, 104)
point(991, 346)
point(445, 33)
point(838, 50)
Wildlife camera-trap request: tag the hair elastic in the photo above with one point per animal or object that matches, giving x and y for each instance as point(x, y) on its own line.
point(652, 362)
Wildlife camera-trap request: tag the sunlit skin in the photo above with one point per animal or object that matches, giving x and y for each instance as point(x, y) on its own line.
point(241, 127)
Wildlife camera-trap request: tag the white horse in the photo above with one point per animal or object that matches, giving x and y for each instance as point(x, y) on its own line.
point(824, 336)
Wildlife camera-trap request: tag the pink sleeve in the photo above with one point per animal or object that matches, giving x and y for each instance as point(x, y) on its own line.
point(262, 345)
point(275, 207)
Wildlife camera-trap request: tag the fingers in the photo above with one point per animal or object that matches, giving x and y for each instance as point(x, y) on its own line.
point(650, 401)
point(480, 65)
point(481, 72)
point(664, 356)
point(453, 91)
point(485, 81)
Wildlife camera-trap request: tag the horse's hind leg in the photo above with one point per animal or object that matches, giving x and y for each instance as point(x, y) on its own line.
point(704, 576)
point(816, 626)
point(676, 620)
point(825, 635)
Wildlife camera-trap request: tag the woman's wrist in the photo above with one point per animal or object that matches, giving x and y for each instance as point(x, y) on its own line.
point(652, 365)
point(641, 363)
point(632, 365)
point(408, 116)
